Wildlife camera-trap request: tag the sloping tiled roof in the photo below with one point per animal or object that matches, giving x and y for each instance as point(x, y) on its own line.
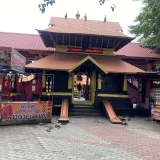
point(61, 61)
point(22, 41)
point(134, 50)
point(80, 26)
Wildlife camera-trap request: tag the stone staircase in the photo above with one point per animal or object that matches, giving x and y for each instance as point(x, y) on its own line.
point(85, 110)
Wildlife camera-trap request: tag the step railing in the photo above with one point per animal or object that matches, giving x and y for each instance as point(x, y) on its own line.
point(111, 113)
point(64, 111)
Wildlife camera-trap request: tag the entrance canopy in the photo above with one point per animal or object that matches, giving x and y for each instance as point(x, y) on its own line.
point(86, 59)
point(69, 62)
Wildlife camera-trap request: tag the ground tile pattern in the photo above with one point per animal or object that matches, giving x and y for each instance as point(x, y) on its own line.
point(84, 138)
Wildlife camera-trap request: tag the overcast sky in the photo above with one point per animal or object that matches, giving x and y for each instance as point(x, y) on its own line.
point(23, 16)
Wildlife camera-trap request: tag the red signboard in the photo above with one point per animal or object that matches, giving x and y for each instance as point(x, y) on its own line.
point(21, 112)
point(75, 49)
point(18, 61)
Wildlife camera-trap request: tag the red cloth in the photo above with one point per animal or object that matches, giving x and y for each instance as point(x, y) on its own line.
point(7, 112)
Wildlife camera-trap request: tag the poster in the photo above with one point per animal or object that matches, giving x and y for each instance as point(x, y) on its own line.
point(19, 112)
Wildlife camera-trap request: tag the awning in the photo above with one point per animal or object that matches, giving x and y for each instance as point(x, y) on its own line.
point(68, 62)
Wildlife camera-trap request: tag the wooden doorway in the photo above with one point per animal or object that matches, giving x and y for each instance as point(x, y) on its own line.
point(87, 94)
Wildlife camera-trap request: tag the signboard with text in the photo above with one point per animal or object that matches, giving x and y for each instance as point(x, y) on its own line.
point(10, 59)
point(76, 49)
point(19, 112)
point(18, 61)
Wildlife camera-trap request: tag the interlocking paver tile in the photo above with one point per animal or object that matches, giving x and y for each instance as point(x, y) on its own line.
point(84, 138)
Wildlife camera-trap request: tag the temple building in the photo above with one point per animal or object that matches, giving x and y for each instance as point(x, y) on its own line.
point(87, 63)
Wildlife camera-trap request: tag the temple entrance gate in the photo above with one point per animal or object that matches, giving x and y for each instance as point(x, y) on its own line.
point(86, 82)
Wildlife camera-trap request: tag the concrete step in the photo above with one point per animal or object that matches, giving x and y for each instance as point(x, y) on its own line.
point(85, 111)
point(85, 114)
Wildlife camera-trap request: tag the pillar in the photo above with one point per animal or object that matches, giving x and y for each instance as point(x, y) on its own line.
point(93, 85)
point(70, 81)
point(125, 83)
point(148, 86)
point(44, 78)
point(99, 81)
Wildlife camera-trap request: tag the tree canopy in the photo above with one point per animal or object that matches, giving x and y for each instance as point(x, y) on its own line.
point(46, 3)
point(147, 24)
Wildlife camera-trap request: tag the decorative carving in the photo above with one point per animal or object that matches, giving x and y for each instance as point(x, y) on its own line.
point(105, 19)
point(77, 15)
point(66, 15)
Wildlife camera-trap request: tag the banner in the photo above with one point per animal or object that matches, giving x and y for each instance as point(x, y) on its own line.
point(18, 61)
point(155, 103)
point(155, 113)
point(19, 112)
point(11, 59)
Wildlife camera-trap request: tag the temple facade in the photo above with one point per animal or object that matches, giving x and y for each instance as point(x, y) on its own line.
point(87, 62)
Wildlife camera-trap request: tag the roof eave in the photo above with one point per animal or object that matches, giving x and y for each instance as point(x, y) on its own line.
point(49, 42)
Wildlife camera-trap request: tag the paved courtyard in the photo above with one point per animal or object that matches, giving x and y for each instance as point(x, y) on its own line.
point(84, 138)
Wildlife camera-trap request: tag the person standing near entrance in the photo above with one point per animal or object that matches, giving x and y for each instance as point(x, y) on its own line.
point(79, 87)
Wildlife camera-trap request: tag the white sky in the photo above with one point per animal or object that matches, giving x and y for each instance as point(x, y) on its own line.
point(23, 16)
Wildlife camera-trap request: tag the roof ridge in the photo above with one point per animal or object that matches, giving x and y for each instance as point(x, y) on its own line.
point(83, 19)
point(31, 34)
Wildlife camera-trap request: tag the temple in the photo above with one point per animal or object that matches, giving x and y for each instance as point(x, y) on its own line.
point(87, 66)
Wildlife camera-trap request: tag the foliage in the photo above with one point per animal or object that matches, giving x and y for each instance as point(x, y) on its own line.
point(101, 2)
point(147, 26)
point(46, 3)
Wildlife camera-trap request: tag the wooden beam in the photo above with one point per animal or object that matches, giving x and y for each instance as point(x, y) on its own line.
point(96, 41)
point(89, 41)
point(63, 39)
point(75, 39)
point(118, 44)
point(81, 39)
point(52, 39)
point(102, 42)
point(108, 43)
point(114, 44)
point(56, 38)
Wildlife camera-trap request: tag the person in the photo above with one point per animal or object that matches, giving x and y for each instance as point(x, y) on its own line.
point(79, 87)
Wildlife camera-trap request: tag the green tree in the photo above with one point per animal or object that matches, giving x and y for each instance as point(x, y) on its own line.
point(147, 24)
point(46, 3)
